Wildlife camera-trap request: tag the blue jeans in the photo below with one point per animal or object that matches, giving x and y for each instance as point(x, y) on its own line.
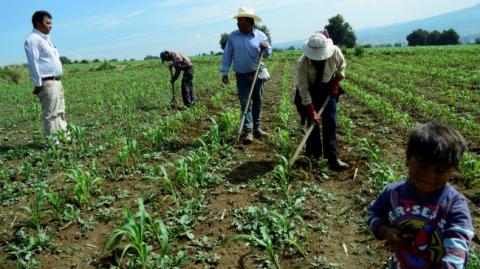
point(244, 82)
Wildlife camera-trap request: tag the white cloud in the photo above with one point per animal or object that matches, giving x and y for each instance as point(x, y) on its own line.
point(137, 13)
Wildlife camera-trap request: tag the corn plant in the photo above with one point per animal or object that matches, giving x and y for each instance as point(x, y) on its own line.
point(129, 154)
point(283, 173)
point(381, 174)
point(284, 142)
point(474, 259)
point(55, 201)
point(286, 228)
point(265, 242)
point(35, 210)
point(470, 169)
point(369, 149)
point(227, 124)
point(78, 133)
point(85, 184)
point(134, 230)
point(168, 184)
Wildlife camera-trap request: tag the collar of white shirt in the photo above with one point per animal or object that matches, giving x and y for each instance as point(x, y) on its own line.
point(44, 36)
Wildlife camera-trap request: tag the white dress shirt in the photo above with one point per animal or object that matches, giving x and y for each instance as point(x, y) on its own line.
point(43, 58)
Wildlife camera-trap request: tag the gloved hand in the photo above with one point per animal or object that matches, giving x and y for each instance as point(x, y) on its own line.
point(225, 79)
point(313, 114)
point(336, 85)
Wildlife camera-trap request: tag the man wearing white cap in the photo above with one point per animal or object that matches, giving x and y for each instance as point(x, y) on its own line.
point(243, 47)
point(319, 71)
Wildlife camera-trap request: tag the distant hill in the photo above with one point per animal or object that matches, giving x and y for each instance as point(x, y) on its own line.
point(466, 22)
point(284, 45)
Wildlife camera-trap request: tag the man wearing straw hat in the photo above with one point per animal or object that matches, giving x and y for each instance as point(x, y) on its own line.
point(243, 48)
point(319, 71)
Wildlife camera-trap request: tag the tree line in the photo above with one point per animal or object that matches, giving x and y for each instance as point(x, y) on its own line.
point(422, 37)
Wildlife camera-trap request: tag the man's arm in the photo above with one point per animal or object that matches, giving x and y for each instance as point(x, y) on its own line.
point(33, 54)
point(227, 57)
point(302, 82)
point(341, 63)
point(264, 45)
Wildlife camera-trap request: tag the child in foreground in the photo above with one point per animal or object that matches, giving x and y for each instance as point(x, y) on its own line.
point(425, 221)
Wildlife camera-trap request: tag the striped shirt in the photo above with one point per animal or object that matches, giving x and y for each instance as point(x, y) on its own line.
point(438, 229)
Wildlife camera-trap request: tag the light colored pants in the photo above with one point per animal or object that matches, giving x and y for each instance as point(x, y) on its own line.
point(53, 107)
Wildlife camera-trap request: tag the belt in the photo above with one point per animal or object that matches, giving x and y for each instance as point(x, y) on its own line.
point(50, 78)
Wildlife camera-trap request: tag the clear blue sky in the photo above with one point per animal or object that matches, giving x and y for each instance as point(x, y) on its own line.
point(88, 29)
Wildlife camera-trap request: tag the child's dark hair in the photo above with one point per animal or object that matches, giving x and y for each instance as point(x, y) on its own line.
point(437, 142)
point(38, 16)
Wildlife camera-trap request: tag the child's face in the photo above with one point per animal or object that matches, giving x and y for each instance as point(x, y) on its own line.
point(427, 176)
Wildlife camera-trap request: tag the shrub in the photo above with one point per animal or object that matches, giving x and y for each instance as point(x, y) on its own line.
point(359, 51)
point(12, 74)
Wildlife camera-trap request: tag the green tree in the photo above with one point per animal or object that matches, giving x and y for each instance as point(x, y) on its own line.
point(417, 38)
point(341, 32)
point(265, 30)
point(477, 40)
point(434, 38)
point(449, 37)
point(223, 40)
point(65, 60)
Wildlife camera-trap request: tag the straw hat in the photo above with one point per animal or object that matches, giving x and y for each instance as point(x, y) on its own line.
point(249, 13)
point(318, 47)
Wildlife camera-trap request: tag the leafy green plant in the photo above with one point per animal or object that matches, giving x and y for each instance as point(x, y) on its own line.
point(78, 134)
point(469, 167)
point(282, 173)
point(167, 182)
point(381, 174)
point(474, 259)
point(55, 200)
point(369, 149)
point(135, 229)
point(85, 184)
point(35, 209)
point(129, 154)
point(265, 242)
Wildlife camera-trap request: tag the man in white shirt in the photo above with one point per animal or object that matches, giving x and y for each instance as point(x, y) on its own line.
point(45, 70)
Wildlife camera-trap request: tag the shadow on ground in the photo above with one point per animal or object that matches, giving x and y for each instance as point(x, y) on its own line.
point(250, 170)
point(20, 147)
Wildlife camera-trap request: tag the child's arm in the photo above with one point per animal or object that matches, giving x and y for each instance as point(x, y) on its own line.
point(392, 235)
point(378, 220)
point(458, 234)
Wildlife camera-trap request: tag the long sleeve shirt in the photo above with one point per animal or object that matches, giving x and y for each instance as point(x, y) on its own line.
point(180, 62)
point(43, 58)
point(244, 51)
point(437, 229)
point(307, 73)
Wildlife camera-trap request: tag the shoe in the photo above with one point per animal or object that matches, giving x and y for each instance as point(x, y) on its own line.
point(259, 133)
point(338, 165)
point(248, 138)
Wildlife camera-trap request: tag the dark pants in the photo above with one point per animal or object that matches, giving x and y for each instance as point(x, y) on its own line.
point(187, 87)
point(329, 132)
point(319, 92)
point(244, 82)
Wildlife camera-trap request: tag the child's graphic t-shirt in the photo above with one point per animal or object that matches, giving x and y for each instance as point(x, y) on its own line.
point(437, 229)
